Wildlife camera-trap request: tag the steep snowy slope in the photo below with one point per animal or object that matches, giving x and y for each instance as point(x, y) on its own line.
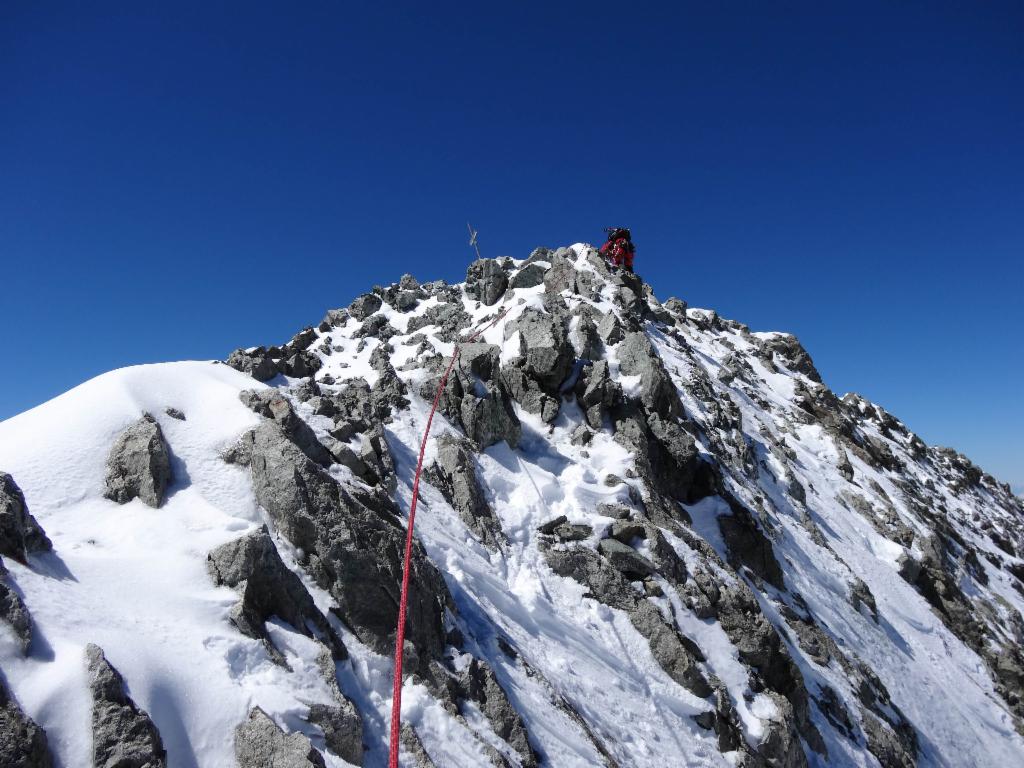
point(647, 537)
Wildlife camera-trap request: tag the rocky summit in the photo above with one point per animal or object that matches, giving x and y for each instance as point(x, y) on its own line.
point(647, 536)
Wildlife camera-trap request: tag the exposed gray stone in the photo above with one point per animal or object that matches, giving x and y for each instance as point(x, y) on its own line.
point(252, 566)
point(139, 464)
point(14, 612)
point(354, 544)
point(260, 743)
point(625, 559)
point(22, 742)
point(335, 318)
point(123, 736)
point(486, 691)
point(637, 356)
point(549, 527)
point(365, 305)
point(544, 349)
point(610, 329)
point(486, 281)
point(20, 534)
point(560, 277)
point(257, 363)
point(454, 474)
point(529, 276)
point(342, 727)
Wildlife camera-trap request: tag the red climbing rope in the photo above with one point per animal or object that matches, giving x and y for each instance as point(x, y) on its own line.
point(396, 700)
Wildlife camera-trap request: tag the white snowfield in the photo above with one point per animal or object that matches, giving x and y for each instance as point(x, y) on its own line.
point(133, 579)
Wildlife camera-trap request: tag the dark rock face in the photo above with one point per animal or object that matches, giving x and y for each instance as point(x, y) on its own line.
point(486, 281)
point(14, 612)
point(343, 729)
point(260, 743)
point(122, 734)
point(637, 357)
point(22, 742)
point(354, 544)
point(139, 464)
point(20, 534)
point(793, 355)
point(272, 404)
point(252, 566)
point(364, 306)
point(748, 545)
point(448, 318)
point(607, 584)
point(545, 354)
point(454, 474)
point(484, 689)
point(529, 276)
point(257, 363)
point(475, 399)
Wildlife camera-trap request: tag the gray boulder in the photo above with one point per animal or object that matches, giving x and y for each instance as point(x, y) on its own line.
point(139, 464)
point(260, 743)
point(257, 363)
point(301, 364)
point(22, 742)
point(637, 356)
point(449, 318)
point(454, 474)
point(490, 419)
point(123, 736)
point(20, 534)
point(529, 276)
point(335, 318)
point(486, 281)
point(342, 727)
point(560, 277)
point(610, 329)
point(625, 559)
point(545, 353)
point(586, 340)
point(364, 306)
point(252, 566)
point(14, 612)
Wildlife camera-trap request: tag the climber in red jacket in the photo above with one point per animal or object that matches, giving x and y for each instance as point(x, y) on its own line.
point(619, 249)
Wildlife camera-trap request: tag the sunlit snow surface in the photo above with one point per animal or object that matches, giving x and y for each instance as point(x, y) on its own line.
point(133, 580)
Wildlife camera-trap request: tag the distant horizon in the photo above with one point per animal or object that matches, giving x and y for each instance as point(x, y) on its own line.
point(181, 181)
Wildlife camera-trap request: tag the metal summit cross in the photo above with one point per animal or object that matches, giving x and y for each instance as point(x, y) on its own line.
point(472, 239)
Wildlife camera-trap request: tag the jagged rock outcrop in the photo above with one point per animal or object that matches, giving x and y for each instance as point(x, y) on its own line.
point(454, 474)
point(139, 464)
point(20, 534)
point(256, 362)
point(545, 354)
point(252, 566)
point(14, 612)
point(486, 281)
point(123, 736)
point(22, 742)
point(353, 543)
point(483, 688)
point(260, 743)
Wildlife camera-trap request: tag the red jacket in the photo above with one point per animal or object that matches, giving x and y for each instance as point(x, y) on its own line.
point(619, 251)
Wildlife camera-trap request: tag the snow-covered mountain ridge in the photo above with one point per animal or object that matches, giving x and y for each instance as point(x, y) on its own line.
point(646, 537)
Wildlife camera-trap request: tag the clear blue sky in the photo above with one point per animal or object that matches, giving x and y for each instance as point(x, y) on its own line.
point(179, 179)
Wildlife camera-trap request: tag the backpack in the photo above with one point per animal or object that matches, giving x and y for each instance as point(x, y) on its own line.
point(615, 233)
